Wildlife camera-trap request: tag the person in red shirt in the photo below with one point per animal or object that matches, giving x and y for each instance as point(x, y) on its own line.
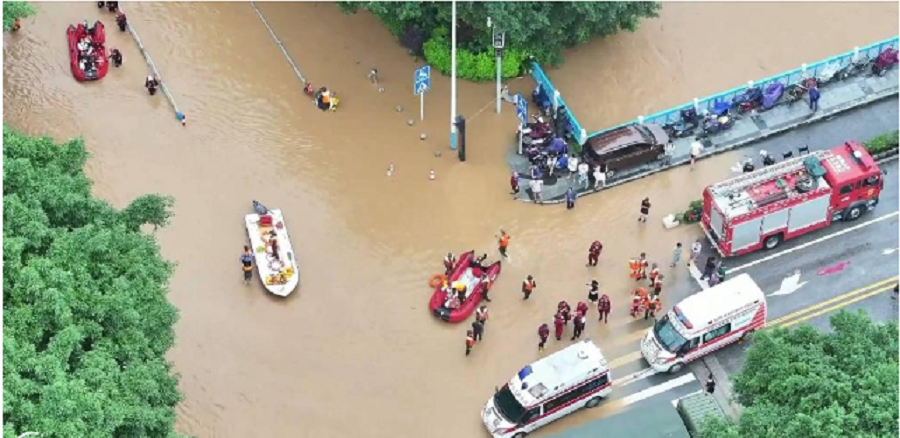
point(543, 334)
point(558, 325)
point(470, 341)
point(503, 242)
point(514, 182)
point(594, 253)
point(565, 310)
point(604, 306)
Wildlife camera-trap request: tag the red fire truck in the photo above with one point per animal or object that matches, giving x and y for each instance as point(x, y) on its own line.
point(761, 209)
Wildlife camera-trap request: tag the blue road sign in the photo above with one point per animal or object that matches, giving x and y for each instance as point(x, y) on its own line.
point(422, 80)
point(522, 109)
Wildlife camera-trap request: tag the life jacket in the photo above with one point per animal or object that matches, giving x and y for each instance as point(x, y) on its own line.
point(481, 315)
point(504, 241)
point(654, 273)
point(641, 292)
point(528, 285)
point(448, 261)
point(470, 341)
point(326, 97)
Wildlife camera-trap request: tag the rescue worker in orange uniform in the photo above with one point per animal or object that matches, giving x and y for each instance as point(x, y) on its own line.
point(644, 265)
point(470, 341)
point(503, 243)
point(654, 272)
point(657, 284)
point(653, 306)
point(528, 286)
point(635, 267)
point(637, 300)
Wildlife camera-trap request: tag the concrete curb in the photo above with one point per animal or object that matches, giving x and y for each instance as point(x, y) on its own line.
point(726, 147)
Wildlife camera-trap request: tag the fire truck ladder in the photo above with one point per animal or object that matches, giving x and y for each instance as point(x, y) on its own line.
point(728, 187)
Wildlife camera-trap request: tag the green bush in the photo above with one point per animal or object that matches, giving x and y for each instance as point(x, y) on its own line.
point(883, 142)
point(13, 10)
point(480, 66)
point(692, 214)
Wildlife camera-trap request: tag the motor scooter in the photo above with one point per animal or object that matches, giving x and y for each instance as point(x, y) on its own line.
point(684, 127)
point(713, 124)
point(886, 59)
point(748, 100)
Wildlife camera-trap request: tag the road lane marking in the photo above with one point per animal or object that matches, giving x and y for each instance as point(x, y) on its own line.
point(659, 389)
point(837, 306)
point(619, 361)
point(696, 274)
point(808, 244)
point(675, 402)
point(832, 300)
point(634, 377)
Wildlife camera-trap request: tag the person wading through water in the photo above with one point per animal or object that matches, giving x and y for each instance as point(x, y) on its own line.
point(604, 306)
point(449, 263)
point(247, 262)
point(543, 334)
point(486, 287)
point(594, 253)
point(478, 329)
point(528, 286)
point(481, 314)
point(502, 242)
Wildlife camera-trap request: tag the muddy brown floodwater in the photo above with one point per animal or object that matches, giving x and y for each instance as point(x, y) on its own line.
point(354, 350)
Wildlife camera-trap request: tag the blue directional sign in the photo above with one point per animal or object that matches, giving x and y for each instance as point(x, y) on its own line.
point(422, 80)
point(522, 109)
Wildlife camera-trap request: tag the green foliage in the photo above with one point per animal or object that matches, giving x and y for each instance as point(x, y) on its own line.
point(883, 142)
point(474, 66)
point(13, 10)
point(692, 214)
point(819, 385)
point(86, 322)
point(539, 29)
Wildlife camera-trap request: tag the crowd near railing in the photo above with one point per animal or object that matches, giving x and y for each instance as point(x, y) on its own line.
point(673, 115)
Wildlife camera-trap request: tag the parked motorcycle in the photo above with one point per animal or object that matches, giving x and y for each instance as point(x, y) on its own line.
point(828, 73)
point(684, 127)
point(853, 68)
point(713, 124)
point(748, 100)
point(796, 91)
point(772, 95)
point(885, 60)
point(536, 133)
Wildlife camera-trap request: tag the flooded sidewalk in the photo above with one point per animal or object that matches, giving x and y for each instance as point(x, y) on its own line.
point(837, 97)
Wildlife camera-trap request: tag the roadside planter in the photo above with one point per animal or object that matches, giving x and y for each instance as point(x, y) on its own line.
point(689, 216)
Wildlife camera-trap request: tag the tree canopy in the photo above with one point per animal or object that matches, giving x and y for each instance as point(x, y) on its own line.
point(13, 10)
point(86, 322)
point(539, 29)
point(803, 383)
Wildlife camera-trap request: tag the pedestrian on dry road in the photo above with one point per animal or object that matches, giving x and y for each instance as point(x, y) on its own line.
point(710, 268)
point(594, 291)
point(676, 254)
point(594, 253)
point(645, 210)
point(696, 248)
point(543, 334)
point(565, 310)
point(710, 384)
point(696, 148)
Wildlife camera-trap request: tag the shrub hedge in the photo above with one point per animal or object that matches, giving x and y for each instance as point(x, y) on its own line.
point(883, 142)
point(481, 66)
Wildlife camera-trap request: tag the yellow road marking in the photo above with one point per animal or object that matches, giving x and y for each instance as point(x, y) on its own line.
point(837, 306)
point(832, 300)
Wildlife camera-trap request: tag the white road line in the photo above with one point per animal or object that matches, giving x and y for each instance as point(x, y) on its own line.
point(659, 389)
point(675, 402)
point(634, 377)
point(696, 274)
point(819, 240)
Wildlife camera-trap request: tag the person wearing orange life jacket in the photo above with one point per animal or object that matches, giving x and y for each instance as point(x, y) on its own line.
point(637, 300)
point(481, 314)
point(502, 242)
point(449, 263)
point(644, 264)
point(635, 267)
point(470, 341)
point(528, 286)
point(657, 284)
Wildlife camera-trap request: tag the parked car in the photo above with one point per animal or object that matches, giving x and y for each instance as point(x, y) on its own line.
point(626, 147)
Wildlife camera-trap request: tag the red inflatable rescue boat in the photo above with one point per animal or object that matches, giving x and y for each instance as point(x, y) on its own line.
point(464, 272)
point(90, 67)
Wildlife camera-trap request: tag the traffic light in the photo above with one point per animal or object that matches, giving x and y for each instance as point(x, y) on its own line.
point(461, 127)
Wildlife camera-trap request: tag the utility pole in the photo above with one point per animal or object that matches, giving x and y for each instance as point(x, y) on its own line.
point(498, 42)
point(453, 79)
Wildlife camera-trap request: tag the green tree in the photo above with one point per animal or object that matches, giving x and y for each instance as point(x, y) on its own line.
point(13, 10)
point(803, 383)
point(86, 322)
point(539, 29)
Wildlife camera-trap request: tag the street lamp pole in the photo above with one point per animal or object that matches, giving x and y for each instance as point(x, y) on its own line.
point(498, 42)
point(453, 79)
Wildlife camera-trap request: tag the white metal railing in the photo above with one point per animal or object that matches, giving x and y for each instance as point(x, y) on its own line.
point(280, 45)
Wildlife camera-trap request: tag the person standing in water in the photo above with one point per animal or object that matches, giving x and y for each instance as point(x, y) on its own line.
point(247, 262)
point(502, 243)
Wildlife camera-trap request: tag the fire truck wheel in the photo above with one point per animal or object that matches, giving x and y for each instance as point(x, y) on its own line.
point(772, 241)
point(675, 368)
point(592, 403)
point(853, 213)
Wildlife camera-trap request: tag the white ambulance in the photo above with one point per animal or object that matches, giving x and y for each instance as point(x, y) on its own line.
point(705, 322)
point(548, 389)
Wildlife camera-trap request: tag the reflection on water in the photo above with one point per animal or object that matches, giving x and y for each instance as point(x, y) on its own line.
point(354, 350)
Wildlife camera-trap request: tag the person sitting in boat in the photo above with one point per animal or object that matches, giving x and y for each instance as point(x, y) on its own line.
point(90, 30)
point(461, 290)
point(82, 46)
point(151, 83)
point(273, 243)
point(116, 56)
point(112, 6)
point(452, 302)
point(121, 20)
point(477, 265)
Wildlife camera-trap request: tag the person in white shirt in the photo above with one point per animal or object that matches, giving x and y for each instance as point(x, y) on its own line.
point(696, 247)
point(537, 187)
point(599, 178)
point(583, 170)
point(573, 166)
point(696, 149)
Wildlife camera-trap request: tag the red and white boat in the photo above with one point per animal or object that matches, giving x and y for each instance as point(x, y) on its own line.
point(472, 277)
point(80, 70)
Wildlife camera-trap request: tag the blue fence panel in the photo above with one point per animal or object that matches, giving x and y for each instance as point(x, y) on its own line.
point(787, 78)
point(541, 78)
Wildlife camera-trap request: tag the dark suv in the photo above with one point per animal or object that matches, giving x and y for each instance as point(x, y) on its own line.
point(625, 147)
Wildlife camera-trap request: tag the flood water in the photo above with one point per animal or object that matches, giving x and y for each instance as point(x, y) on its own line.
point(354, 350)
